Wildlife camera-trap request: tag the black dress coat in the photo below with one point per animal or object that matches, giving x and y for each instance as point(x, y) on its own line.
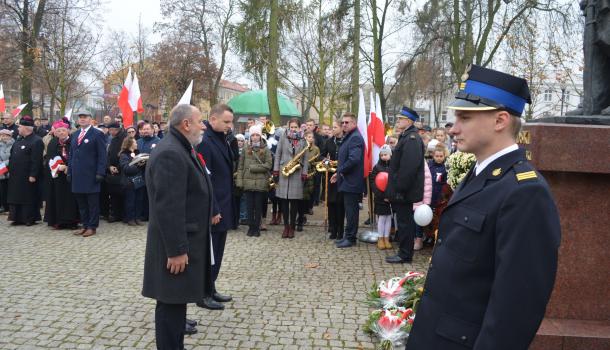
point(61, 207)
point(406, 177)
point(219, 160)
point(180, 194)
point(25, 161)
point(114, 182)
point(381, 207)
point(330, 150)
point(494, 263)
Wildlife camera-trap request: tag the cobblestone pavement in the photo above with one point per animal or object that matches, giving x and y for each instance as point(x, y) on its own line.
point(62, 291)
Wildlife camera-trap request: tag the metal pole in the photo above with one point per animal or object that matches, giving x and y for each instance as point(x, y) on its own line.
point(563, 92)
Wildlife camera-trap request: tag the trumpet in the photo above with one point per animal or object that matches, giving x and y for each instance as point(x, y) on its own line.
point(271, 183)
point(269, 128)
point(326, 165)
point(295, 163)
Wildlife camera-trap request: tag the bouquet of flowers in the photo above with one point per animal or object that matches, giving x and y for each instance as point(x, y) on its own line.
point(395, 301)
point(458, 163)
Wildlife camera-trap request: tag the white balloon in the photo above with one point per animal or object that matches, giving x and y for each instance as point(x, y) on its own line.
point(423, 215)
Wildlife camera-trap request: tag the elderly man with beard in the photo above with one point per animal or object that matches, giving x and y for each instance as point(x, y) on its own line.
point(178, 261)
point(26, 171)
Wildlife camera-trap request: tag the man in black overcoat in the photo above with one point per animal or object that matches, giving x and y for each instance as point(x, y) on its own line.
point(178, 260)
point(113, 172)
point(406, 182)
point(219, 158)
point(334, 205)
point(25, 172)
point(495, 259)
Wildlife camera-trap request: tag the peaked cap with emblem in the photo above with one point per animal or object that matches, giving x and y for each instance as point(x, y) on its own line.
point(487, 89)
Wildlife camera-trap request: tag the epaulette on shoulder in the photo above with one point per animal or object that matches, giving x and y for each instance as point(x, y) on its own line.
point(524, 171)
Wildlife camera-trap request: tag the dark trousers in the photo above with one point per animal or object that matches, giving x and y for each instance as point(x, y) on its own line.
point(254, 203)
point(290, 207)
point(134, 200)
point(265, 206)
point(317, 185)
point(275, 204)
point(143, 213)
point(3, 193)
point(117, 205)
point(89, 209)
point(303, 209)
point(104, 200)
point(218, 243)
point(336, 216)
point(405, 230)
point(352, 211)
point(170, 320)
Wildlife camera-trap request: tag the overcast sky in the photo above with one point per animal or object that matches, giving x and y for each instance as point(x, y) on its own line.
point(123, 14)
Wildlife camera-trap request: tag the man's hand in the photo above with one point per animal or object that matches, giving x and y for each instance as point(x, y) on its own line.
point(216, 219)
point(113, 170)
point(177, 264)
point(32, 179)
point(333, 179)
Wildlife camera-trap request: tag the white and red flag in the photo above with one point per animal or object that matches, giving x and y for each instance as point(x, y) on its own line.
point(3, 168)
point(54, 165)
point(376, 130)
point(68, 114)
point(186, 98)
point(123, 102)
point(362, 127)
point(135, 98)
point(15, 112)
point(2, 100)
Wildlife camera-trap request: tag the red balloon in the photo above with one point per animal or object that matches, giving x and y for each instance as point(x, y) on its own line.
point(381, 181)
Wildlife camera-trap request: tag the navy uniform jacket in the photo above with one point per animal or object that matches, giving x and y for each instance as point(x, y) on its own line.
point(494, 264)
point(406, 176)
point(87, 160)
point(219, 160)
point(350, 168)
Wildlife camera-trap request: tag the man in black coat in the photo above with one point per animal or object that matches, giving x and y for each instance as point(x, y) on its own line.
point(25, 174)
point(8, 123)
point(494, 264)
point(113, 172)
point(219, 157)
point(334, 205)
point(177, 264)
point(406, 182)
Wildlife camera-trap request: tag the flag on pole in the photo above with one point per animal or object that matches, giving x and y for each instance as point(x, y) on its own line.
point(376, 131)
point(2, 100)
point(68, 114)
point(18, 110)
point(135, 98)
point(123, 102)
point(362, 127)
point(186, 98)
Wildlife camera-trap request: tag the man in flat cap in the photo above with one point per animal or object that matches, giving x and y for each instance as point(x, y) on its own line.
point(495, 259)
point(25, 175)
point(86, 170)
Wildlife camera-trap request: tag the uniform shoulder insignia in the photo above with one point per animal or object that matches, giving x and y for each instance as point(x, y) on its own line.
point(412, 137)
point(526, 175)
point(525, 171)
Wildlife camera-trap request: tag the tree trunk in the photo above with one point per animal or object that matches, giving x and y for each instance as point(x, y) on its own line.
point(29, 36)
point(356, 59)
point(272, 74)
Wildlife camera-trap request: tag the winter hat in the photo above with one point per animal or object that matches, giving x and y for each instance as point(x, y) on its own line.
point(26, 121)
point(385, 149)
point(60, 124)
point(432, 145)
point(256, 129)
point(240, 137)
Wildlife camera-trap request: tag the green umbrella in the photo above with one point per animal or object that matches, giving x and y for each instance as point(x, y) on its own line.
point(255, 103)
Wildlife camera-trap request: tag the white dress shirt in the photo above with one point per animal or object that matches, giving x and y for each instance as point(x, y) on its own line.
point(480, 166)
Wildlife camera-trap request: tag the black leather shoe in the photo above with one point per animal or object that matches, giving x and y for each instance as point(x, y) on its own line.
point(191, 323)
point(210, 304)
point(332, 236)
point(397, 260)
point(346, 244)
point(222, 298)
point(299, 228)
point(188, 329)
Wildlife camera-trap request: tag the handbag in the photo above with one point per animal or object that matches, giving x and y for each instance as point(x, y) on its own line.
point(137, 181)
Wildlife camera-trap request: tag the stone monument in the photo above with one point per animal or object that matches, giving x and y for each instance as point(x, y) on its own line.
point(573, 154)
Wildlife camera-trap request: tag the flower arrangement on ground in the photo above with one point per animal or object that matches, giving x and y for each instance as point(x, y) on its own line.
point(395, 302)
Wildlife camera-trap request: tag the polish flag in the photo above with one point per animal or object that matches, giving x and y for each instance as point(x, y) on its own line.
point(18, 110)
point(54, 165)
point(3, 168)
point(2, 100)
point(362, 127)
point(135, 98)
point(376, 130)
point(186, 98)
point(124, 101)
point(68, 114)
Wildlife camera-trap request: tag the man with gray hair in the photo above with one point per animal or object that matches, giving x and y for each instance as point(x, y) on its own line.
point(8, 123)
point(178, 260)
point(26, 170)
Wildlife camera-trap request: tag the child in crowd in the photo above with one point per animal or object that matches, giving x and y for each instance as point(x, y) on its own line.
point(383, 209)
point(439, 179)
point(133, 180)
point(419, 231)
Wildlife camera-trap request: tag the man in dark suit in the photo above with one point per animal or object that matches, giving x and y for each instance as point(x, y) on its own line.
point(178, 260)
point(350, 177)
point(113, 173)
point(406, 182)
point(494, 264)
point(219, 158)
point(86, 170)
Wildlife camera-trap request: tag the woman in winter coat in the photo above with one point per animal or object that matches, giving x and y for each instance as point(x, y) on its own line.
point(253, 173)
point(419, 231)
point(382, 207)
point(132, 179)
point(6, 142)
point(290, 188)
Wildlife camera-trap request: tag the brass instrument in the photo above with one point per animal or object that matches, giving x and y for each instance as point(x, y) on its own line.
point(295, 163)
point(312, 164)
point(271, 183)
point(140, 159)
point(389, 130)
point(327, 165)
point(269, 128)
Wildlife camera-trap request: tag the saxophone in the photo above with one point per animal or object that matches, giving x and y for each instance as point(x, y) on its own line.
point(295, 163)
point(312, 163)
